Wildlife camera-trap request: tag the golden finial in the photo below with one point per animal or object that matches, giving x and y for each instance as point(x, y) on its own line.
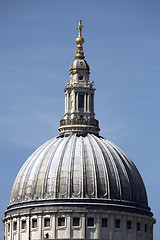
point(79, 41)
point(80, 28)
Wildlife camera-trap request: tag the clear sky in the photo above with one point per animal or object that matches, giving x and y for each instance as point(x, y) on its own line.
point(122, 47)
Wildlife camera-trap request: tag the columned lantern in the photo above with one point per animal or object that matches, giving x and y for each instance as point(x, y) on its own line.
point(78, 185)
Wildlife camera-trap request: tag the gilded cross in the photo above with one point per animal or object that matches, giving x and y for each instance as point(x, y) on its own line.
point(80, 28)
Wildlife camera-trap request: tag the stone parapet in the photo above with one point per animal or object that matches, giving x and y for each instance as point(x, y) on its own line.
point(79, 125)
point(79, 121)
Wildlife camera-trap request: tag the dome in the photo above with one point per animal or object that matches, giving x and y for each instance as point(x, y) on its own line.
point(78, 185)
point(79, 168)
point(79, 64)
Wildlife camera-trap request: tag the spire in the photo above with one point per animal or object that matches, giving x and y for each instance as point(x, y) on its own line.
point(79, 41)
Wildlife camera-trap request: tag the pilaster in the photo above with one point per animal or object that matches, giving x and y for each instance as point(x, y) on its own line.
point(98, 226)
point(18, 228)
point(135, 227)
point(11, 229)
point(111, 227)
point(65, 103)
point(76, 101)
point(40, 226)
point(54, 226)
point(85, 102)
point(83, 228)
point(124, 229)
point(68, 233)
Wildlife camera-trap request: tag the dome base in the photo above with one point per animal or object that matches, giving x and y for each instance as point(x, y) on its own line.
point(76, 220)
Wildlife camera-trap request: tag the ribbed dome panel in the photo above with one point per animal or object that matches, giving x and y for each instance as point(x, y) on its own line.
point(75, 167)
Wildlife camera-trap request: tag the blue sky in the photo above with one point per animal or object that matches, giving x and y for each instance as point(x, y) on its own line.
point(122, 47)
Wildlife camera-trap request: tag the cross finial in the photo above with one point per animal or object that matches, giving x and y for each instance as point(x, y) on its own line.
point(80, 28)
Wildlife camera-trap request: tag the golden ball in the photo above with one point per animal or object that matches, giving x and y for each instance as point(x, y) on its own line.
point(79, 40)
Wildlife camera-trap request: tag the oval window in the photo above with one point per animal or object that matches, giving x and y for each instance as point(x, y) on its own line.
point(80, 77)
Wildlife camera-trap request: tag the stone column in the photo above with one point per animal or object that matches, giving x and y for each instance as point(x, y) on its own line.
point(65, 103)
point(89, 102)
point(69, 102)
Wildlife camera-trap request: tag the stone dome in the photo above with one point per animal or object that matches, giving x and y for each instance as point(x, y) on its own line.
point(80, 168)
point(79, 64)
point(78, 185)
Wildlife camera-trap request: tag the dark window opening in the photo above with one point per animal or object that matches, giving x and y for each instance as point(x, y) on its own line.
point(80, 77)
point(117, 223)
point(61, 221)
point(76, 221)
point(129, 224)
point(76, 102)
point(47, 222)
point(23, 224)
point(80, 101)
point(92, 102)
point(104, 222)
point(47, 236)
point(8, 227)
point(69, 99)
point(90, 222)
point(87, 108)
point(15, 226)
point(146, 228)
point(34, 223)
point(138, 226)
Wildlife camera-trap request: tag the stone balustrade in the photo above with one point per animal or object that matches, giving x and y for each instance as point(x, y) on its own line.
point(79, 121)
